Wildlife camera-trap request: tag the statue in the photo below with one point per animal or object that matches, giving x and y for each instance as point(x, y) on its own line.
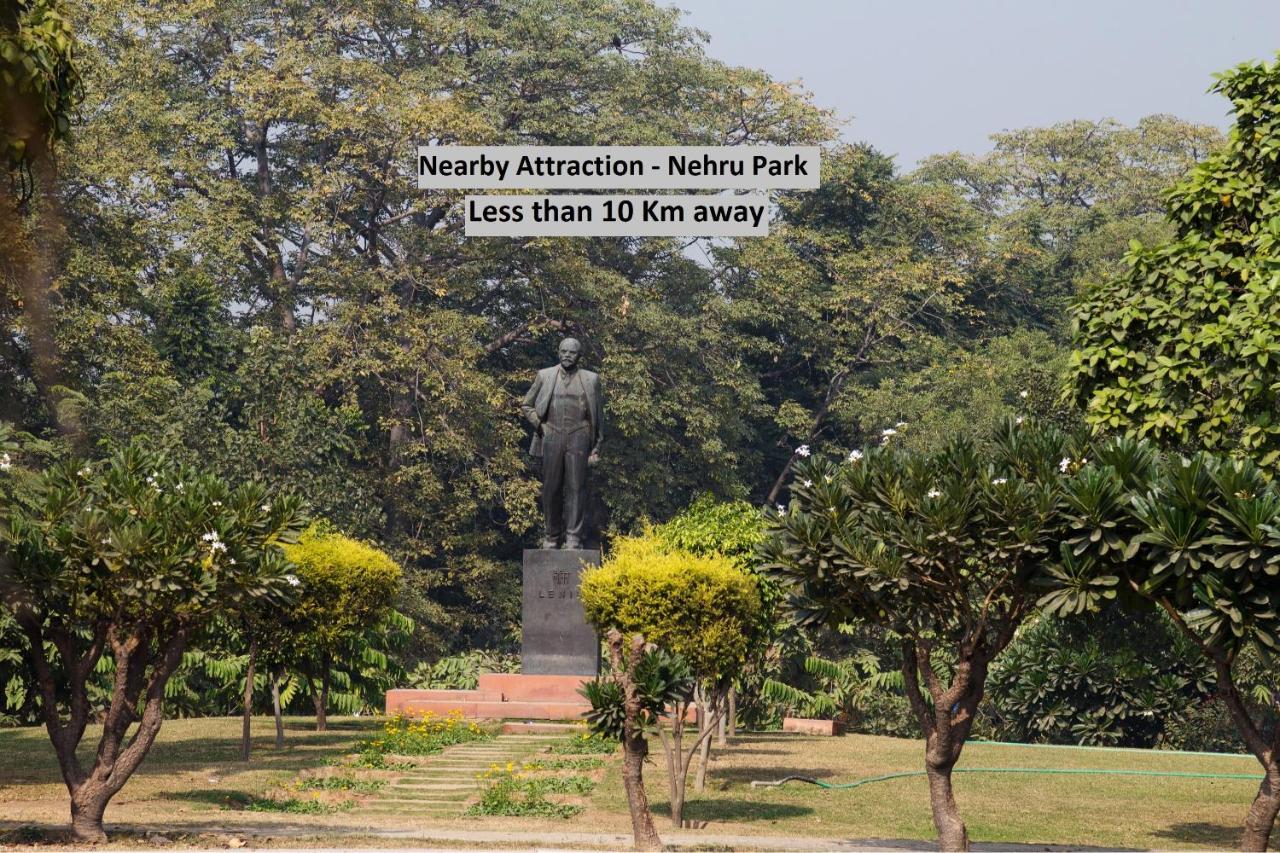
point(565, 407)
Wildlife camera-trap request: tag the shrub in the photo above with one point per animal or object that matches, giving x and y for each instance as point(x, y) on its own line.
point(1117, 678)
point(701, 607)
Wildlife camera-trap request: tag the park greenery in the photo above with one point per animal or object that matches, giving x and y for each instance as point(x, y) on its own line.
point(981, 450)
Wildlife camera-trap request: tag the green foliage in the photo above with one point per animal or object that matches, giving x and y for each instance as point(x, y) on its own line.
point(1182, 347)
point(462, 672)
point(345, 586)
point(140, 541)
point(701, 608)
point(512, 792)
point(661, 680)
point(40, 82)
point(587, 743)
point(843, 687)
point(917, 543)
point(1113, 679)
point(730, 529)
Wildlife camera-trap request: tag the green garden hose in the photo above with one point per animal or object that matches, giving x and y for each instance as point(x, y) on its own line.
point(1056, 770)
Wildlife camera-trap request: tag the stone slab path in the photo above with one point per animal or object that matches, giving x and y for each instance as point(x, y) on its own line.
point(444, 785)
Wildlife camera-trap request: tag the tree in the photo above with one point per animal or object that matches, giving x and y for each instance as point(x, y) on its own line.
point(130, 557)
point(247, 165)
point(732, 529)
point(40, 87)
point(702, 608)
point(1199, 536)
point(1182, 347)
point(944, 550)
point(628, 704)
point(346, 587)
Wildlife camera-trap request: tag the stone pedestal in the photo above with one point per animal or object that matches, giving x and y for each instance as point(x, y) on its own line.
point(560, 652)
point(557, 638)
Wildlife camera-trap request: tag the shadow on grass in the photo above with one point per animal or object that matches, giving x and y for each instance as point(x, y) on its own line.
point(739, 811)
point(747, 775)
point(1209, 834)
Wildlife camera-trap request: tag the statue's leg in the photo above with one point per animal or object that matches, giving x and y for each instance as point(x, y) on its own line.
point(577, 446)
point(553, 486)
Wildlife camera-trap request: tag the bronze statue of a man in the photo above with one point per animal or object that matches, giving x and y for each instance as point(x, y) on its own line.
point(564, 405)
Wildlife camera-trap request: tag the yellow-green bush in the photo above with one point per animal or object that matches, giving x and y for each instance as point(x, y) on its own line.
point(346, 585)
point(702, 607)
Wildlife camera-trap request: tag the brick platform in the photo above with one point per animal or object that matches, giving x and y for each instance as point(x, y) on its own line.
point(500, 696)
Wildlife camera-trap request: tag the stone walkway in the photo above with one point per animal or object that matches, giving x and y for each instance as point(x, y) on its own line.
point(442, 785)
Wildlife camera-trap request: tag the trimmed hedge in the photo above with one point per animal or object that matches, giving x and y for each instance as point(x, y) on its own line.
point(702, 607)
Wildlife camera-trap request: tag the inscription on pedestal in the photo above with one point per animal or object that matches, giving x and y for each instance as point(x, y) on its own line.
point(557, 638)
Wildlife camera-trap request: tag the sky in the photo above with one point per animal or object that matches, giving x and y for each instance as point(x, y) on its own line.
point(921, 77)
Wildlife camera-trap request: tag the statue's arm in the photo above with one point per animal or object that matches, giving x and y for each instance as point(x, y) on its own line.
point(597, 416)
point(528, 407)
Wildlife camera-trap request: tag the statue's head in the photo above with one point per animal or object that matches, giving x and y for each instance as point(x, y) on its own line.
point(570, 350)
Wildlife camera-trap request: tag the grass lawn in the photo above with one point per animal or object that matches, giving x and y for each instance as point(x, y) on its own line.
point(193, 774)
point(1107, 811)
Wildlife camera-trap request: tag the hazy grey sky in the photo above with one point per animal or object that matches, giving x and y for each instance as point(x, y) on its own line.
point(919, 77)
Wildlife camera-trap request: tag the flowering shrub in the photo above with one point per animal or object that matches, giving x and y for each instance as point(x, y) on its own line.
point(518, 790)
point(425, 735)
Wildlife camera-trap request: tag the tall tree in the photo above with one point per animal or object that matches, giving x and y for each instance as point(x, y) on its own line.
point(1183, 346)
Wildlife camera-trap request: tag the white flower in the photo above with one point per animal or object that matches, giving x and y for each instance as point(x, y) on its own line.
point(85, 471)
point(231, 561)
point(782, 510)
point(106, 541)
point(218, 546)
point(215, 503)
point(178, 487)
point(999, 481)
point(1064, 464)
point(1017, 421)
point(293, 580)
point(5, 462)
point(802, 450)
point(934, 493)
point(1022, 394)
point(211, 536)
point(888, 432)
point(855, 455)
point(806, 483)
point(265, 507)
point(900, 424)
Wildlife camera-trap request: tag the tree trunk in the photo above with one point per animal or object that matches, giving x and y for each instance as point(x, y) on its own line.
point(246, 728)
point(634, 750)
point(677, 765)
point(1262, 814)
point(733, 712)
point(709, 722)
point(88, 805)
point(275, 708)
point(634, 745)
point(322, 706)
point(952, 834)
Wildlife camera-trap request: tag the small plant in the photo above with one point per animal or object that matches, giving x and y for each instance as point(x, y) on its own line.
point(372, 759)
point(584, 744)
point(339, 783)
point(569, 763)
point(425, 735)
point(514, 792)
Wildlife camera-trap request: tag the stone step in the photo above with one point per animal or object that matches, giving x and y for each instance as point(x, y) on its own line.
point(491, 709)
